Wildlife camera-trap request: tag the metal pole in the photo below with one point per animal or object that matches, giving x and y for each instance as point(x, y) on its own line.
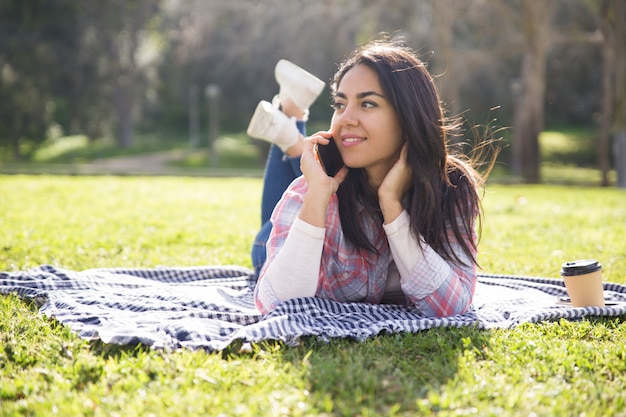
point(212, 92)
point(194, 119)
point(619, 149)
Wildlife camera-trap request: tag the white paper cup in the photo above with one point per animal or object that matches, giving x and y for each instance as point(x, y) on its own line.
point(583, 281)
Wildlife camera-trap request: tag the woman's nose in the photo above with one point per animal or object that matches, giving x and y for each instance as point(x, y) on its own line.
point(349, 116)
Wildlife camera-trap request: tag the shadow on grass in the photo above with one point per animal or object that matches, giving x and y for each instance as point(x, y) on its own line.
point(345, 375)
point(110, 351)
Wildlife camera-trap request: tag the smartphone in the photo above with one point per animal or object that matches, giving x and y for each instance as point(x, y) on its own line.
point(330, 157)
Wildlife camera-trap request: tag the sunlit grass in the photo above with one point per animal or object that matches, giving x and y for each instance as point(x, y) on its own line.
point(541, 369)
point(79, 150)
point(58, 147)
point(531, 230)
point(80, 222)
point(554, 173)
point(231, 152)
point(576, 147)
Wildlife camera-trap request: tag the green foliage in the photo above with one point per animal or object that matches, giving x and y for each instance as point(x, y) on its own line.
point(549, 369)
point(32, 39)
point(573, 146)
point(79, 68)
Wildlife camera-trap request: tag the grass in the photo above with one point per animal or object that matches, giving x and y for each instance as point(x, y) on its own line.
point(568, 156)
point(577, 146)
point(548, 369)
point(111, 221)
point(233, 151)
point(78, 149)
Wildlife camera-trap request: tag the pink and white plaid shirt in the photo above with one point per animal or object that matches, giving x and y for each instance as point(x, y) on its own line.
point(350, 274)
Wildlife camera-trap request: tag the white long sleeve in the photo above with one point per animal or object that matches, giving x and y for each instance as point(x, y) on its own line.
point(295, 270)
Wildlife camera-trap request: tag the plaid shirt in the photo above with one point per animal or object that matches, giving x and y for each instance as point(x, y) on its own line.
point(435, 287)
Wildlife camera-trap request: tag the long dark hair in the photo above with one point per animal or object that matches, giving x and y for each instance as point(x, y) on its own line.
point(444, 197)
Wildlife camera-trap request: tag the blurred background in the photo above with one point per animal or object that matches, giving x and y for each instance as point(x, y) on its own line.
point(86, 80)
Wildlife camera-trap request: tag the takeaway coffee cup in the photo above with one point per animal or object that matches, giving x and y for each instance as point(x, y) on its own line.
point(583, 280)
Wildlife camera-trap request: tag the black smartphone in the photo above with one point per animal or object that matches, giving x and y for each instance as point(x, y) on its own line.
point(330, 157)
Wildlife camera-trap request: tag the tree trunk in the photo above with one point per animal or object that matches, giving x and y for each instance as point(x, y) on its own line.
point(619, 150)
point(529, 112)
point(125, 46)
point(619, 124)
point(124, 98)
point(15, 136)
point(125, 87)
point(608, 74)
point(445, 15)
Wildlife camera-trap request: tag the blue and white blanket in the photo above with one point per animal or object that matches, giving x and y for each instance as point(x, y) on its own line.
point(209, 307)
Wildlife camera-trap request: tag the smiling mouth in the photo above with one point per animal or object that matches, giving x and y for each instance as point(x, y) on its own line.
point(347, 141)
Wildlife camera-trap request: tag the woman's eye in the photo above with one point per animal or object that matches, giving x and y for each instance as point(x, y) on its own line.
point(368, 104)
point(337, 105)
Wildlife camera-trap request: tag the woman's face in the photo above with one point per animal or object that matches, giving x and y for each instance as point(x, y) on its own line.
point(365, 125)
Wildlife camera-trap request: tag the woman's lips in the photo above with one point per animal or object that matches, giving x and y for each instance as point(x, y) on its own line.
point(351, 140)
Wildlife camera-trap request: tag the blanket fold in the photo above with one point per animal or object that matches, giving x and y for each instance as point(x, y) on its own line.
point(209, 307)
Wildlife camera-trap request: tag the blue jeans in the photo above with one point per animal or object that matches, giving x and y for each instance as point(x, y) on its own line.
point(280, 171)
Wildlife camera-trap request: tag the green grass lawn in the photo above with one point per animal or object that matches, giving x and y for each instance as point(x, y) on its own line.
point(549, 369)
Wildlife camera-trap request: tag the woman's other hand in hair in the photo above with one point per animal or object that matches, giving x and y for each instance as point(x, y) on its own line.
point(396, 183)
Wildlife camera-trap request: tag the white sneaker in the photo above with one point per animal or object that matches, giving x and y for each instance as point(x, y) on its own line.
point(296, 83)
point(271, 124)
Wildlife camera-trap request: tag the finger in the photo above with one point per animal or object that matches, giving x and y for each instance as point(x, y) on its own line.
point(321, 139)
point(341, 174)
point(316, 153)
point(405, 150)
point(315, 139)
point(310, 143)
point(323, 133)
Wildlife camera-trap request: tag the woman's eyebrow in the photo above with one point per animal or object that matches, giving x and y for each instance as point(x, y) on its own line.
point(360, 95)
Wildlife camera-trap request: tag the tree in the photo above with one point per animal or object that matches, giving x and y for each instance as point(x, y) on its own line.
point(528, 120)
point(83, 66)
point(619, 122)
point(35, 51)
point(608, 83)
point(122, 27)
point(445, 15)
point(613, 15)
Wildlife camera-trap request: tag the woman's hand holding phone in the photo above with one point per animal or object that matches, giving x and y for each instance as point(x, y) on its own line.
point(330, 158)
point(312, 163)
point(321, 186)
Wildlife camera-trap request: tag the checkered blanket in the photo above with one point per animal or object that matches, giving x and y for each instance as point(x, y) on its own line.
point(209, 307)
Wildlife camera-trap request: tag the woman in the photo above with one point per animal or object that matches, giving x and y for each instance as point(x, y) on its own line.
point(397, 223)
